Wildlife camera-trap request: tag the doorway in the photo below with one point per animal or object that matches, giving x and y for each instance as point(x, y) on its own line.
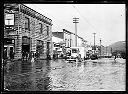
point(11, 53)
point(25, 48)
point(48, 50)
point(8, 52)
point(5, 53)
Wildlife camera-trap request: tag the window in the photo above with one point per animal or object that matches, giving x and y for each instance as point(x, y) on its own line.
point(40, 26)
point(47, 30)
point(74, 50)
point(26, 23)
point(9, 19)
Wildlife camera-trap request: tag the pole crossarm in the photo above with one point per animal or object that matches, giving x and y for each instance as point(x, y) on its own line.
point(94, 42)
point(75, 20)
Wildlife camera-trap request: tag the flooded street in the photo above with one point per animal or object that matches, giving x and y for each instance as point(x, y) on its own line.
point(60, 75)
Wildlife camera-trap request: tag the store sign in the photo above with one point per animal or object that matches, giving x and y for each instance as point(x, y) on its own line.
point(8, 41)
point(9, 19)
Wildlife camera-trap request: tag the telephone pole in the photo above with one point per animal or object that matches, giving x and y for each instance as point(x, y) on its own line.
point(94, 42)
point(106, 50)
point(75, 20)
point(100, 47)
point(111, 50)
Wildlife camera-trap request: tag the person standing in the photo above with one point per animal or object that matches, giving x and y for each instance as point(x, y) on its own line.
point(115, 57)
point(23, 55)
point(26, 55)
point(32, 59)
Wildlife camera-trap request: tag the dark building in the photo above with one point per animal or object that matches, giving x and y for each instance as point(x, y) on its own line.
point(26, 30)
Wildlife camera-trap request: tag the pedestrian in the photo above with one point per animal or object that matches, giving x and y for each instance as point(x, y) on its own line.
point(32, 59)
point(26, 55)
point(23, 55)
point(5, 53)
point(13, 55)
point(115, 57)
point(36, 54)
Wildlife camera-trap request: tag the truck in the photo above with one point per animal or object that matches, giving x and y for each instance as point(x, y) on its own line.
point(77, 53)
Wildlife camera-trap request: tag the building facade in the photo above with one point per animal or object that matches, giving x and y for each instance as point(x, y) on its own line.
point(26, 30)
point(69, 39)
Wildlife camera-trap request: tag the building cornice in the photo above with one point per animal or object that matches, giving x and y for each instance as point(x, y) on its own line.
point(26, 10)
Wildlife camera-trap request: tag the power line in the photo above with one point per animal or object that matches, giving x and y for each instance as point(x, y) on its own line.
point(83, 17)
point(49, 15)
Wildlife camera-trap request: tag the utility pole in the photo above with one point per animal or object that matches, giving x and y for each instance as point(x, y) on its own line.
point(106, 50)
point(94, 42)
point(100, 47)
point(75, 20)
point(111, 50)
point(70, 40)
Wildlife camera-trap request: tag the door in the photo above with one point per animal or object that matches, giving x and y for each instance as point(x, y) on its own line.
point(5, 52)
point(11, 52)
point(48, 50)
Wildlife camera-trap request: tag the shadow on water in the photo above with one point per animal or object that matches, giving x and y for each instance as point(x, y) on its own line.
point(41, 80)
point(31, 78)
point(94, 64)
point(79, 64)
point(25, 66)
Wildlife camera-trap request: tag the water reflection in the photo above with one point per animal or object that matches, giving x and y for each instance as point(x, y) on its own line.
point(94, 64)
point(41, 79)
point(59, 75)
point(33, 76)
point(25, 66)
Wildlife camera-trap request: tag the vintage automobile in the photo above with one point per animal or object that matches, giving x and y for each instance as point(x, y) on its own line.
point(93, 57)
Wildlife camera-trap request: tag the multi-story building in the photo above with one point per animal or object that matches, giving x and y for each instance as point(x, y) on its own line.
point(26, 30)
point(58, 43)
point(68, 40)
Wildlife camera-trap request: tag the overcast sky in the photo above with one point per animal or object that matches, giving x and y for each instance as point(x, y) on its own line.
point(106, 20)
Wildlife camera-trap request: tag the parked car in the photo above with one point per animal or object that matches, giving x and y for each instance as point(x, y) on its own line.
point(68, 54)
point(93, 57)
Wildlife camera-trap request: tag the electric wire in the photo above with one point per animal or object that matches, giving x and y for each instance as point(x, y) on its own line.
point(56, 25)
point(84, 17)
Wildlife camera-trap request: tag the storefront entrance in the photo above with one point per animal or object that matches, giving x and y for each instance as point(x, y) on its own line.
point(48, 50)
point(40, 49)
point(8, 48)
point(25, 47)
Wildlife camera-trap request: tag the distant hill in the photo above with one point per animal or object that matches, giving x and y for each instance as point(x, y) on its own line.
point(120, 46)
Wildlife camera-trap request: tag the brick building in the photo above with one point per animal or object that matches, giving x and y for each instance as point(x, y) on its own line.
point(26, 30)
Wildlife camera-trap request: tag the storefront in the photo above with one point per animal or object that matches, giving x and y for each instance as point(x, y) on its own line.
point(25, 45)
point(9, 48)
point(40, 49)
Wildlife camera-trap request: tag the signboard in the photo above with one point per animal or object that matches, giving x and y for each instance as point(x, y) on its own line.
point(9, 19)
point(8, 41)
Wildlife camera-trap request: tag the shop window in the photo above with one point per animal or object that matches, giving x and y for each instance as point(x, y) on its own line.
point(26, 23)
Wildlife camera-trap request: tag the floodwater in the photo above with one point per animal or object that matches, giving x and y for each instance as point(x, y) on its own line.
point(60, 75)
